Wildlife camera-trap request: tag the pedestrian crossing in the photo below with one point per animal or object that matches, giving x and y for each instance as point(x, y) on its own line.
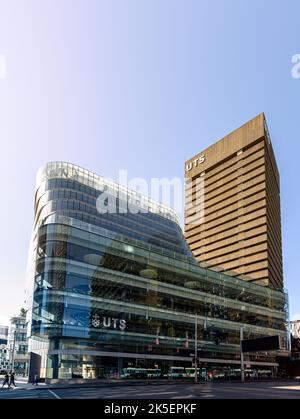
point(25, 394)
point(149, 392)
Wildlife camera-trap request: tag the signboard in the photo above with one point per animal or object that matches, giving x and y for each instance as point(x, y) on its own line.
point(269, 343)
point(107, 322)
point(195, 163)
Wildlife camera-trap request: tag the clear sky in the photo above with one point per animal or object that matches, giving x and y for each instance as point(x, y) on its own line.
point(141, 85)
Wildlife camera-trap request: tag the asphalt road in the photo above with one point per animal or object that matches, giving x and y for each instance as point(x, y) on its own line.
point(180, 391)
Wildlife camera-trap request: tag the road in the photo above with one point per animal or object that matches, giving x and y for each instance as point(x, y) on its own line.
point(188, 391)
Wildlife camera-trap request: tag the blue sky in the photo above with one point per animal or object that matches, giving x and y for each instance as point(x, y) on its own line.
point(141, 85)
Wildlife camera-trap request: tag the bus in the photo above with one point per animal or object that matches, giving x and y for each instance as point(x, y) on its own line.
point(140, 373)
point(187, 372)
point(154, 373)
point(176, 372)
point(133, 373)
point(190, 373)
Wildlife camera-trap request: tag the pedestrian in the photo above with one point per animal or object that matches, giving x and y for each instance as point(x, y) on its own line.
point(36, 380)
point(12, 379)
point(6, 380)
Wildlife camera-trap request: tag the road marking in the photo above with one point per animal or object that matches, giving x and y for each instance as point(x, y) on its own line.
point(157, 393)
point(53, 394)
point(288, 388)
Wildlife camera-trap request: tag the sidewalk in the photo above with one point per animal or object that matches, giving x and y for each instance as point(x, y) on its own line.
point(107, 383)
point(21, 385)
point(24, 385)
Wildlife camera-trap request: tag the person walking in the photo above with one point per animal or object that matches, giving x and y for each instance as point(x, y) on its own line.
point(12, 379)
point(6, 380)
point(36, 379)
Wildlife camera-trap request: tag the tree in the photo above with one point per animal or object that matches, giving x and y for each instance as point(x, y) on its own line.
point(23, 312)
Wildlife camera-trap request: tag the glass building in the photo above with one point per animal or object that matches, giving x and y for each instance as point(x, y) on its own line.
point(4, 353)
point(116, 294)
point(3, 335)
point(18, 344)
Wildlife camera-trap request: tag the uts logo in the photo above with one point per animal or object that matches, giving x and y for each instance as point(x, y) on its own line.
point(108, 322)
point(195, 163)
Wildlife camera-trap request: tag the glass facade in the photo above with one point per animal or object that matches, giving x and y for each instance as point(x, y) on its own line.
point(117, 293)
point(3, 335)
point(18, 345)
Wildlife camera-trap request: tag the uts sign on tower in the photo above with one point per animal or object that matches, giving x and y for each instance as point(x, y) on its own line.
point(195, 163)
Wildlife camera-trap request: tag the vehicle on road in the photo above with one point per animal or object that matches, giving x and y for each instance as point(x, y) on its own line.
point(140, 373)
point(176, 372)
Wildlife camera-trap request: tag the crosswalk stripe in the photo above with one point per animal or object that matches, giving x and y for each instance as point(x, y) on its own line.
point(53, 394)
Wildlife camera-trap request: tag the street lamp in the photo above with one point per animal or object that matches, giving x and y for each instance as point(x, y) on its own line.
point(196, 348)
point(242, 355)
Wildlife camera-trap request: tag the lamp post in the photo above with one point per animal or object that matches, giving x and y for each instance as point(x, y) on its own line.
point(196, 348)
point(242, 355)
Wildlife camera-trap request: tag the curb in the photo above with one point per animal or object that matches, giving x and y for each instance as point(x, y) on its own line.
point(135, 383)
point(110, 384)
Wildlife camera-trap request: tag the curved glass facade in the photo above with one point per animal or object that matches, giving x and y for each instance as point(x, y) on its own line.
point(115, 291)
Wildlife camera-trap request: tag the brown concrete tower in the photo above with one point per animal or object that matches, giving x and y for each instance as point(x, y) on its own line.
point(232, 206)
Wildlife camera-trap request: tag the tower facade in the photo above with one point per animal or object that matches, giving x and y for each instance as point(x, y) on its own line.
point(232, 218)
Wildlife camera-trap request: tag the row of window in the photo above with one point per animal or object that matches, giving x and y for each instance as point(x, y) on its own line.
point(136, 222)
point(154, 239)
point(111, 258)
point(75, 321)
point(80, 187)
point(151, 219)
point(101, 288)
